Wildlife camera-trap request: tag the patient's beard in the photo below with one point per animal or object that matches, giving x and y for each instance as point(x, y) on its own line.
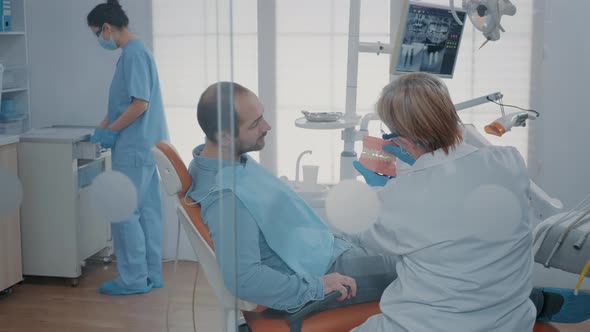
point(242, 148)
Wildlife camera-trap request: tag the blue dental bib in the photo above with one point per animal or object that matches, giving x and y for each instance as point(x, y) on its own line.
point(291, 228)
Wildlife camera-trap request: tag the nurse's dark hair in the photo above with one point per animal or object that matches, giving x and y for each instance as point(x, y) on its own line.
point(218, 103)
point(110, 12)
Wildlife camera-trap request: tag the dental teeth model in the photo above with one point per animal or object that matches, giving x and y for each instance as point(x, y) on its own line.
point(375, 159)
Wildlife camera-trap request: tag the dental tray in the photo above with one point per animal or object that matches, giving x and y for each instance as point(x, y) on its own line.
point(322, 116)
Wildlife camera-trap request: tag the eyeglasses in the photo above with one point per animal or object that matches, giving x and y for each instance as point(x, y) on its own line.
point(98, 32)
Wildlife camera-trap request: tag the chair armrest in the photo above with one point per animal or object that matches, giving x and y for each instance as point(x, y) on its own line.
point(296, 319)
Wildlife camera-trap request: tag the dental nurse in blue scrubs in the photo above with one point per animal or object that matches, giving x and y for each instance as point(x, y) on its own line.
point(134, 123)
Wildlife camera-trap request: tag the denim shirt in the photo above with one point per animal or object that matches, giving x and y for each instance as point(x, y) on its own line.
point(251, 269)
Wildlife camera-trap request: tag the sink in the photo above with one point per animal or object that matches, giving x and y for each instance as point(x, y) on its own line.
point(313, 197)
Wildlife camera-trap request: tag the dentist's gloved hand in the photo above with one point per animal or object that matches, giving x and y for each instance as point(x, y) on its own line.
point(371, 178)
point(108, 138)
point(400, 153)
point(95, 138)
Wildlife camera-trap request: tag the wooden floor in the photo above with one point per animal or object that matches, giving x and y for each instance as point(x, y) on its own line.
point(48, 304)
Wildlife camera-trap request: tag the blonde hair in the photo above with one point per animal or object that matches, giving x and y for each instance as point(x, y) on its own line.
point(417, 106)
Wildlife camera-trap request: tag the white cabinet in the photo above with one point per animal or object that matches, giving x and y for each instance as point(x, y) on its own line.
point(15, 119)
point(59, 228)
point(10, 246)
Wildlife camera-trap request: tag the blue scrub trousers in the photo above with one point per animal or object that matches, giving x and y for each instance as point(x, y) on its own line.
point(138, 240)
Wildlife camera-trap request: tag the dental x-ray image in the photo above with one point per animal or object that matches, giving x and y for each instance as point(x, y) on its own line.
point(430, 41)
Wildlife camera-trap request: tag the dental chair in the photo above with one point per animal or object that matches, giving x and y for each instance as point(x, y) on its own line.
point(177, 181)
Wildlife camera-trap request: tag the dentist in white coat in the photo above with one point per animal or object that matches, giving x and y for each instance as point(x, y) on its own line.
point(459, 220)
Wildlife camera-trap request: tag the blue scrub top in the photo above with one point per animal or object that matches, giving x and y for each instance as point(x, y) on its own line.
point(136, 77)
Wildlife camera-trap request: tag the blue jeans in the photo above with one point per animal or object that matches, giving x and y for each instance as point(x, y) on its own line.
point(374, 272)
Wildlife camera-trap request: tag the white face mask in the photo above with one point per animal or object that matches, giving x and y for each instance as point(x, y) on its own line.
point(106, 44)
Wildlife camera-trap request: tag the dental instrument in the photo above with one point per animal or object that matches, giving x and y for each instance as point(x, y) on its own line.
point(503, 124)
point(540, 232)
point(564, 234)
point(580, 242)
point(558, 241)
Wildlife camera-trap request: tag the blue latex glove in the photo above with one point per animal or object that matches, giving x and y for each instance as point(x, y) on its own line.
point(400, 153)
point(108, 138)
point(95, 138)
point(371, 178)
point(389, 137)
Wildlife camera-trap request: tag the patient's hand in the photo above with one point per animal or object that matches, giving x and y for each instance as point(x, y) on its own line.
point(336, 282)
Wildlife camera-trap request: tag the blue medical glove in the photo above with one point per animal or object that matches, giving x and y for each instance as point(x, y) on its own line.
point(389, 137)
point(108, 138)
point(400, 153)
point(95, 138)
point(371, 178)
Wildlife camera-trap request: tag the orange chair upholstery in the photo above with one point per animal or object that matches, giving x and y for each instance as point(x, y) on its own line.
point(262, 319)
point(544, 327)
point(334, 320)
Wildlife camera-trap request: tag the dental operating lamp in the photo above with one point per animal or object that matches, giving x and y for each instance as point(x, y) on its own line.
point(485, 15)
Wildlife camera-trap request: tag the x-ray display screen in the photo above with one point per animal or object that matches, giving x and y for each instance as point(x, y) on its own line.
point(430, 40)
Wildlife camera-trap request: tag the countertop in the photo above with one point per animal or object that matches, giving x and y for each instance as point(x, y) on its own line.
point(57, 134)
point(8, 139)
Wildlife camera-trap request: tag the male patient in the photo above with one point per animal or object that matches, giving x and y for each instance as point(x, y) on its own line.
point(274, 250)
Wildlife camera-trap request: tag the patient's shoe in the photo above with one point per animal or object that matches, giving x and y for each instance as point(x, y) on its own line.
point(116, 287)
point(156, 284)
point(562, 306)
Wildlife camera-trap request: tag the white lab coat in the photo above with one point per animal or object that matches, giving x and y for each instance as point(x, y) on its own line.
point(460, 223)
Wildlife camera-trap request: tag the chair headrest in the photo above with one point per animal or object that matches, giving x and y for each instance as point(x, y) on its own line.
point(173, 172)
point(176, 181)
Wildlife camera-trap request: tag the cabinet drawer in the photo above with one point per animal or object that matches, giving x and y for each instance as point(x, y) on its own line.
point(87, 150)
point(88, 170)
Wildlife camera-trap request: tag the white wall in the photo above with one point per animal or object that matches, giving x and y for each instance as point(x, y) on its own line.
point(558, 147)
point(70, 72)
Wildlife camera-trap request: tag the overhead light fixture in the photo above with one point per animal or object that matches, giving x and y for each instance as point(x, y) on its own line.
point(485, 15)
